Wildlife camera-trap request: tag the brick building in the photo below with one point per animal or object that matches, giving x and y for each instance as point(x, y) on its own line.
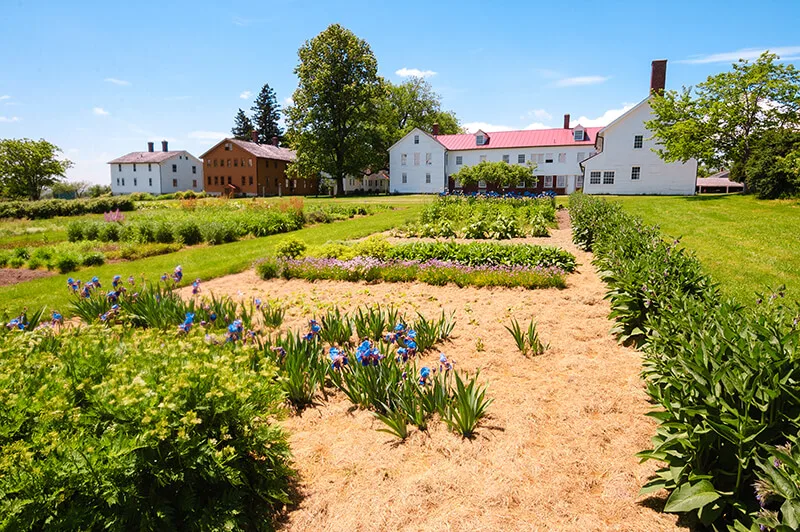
point(241, 168)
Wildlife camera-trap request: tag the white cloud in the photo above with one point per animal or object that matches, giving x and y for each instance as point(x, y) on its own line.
point(5, 97)
point(9, 119)
point(116, 81)
point(99, 111)
point(207, 135)
point(581, 80)
point(604, 119)
point(407, 72)
point(245, 95)
point(785, 52)
point(287, 102)
point(538, 125)
point(539, 114)
point(472, 127)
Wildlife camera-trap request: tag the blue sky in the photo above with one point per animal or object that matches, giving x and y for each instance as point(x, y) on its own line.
point(100, 79)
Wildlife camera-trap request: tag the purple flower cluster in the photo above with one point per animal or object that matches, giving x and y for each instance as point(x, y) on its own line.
point(114, 216)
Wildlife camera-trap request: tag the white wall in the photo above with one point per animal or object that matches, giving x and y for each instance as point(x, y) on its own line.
point(619, 156)
point(183, 178)
point(161, 174)
point(416, 174)
point(124, 180)
point(573, 155)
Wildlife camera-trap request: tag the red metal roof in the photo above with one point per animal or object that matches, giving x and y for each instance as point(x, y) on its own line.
point(527, 138)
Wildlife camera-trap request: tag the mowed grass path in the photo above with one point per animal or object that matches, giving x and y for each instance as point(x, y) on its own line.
point(206, 262)
point(746, 244)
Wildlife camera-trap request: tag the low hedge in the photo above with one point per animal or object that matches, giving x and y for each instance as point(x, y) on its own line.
point(60, 207)
point(725, 377)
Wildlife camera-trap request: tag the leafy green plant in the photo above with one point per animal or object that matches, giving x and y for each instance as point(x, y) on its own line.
point(290, 249)
point(395, 422)
point(272, 314)
point(519, 336)
point(468, 407)
point(535, 343)
point(336, 328)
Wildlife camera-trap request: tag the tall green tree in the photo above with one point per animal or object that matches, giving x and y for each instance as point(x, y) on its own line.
point(414, 103)
point(772, 171)
point(718, 121)
point(266, 113)
point(332, 122)
point(242, 126)
point(28, 166)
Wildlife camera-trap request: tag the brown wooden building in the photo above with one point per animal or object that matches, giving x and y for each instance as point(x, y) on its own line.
point(240, 168)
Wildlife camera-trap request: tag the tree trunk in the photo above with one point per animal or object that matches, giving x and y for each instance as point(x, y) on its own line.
point(339, 186)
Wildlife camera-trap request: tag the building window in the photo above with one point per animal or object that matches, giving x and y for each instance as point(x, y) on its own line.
point(215, 163)
point(481, 184)
point(561, 181)
point(403, 159)
point(416, 159)
point(521, 158)
point(228, 146)
point(135, 182)
point(548, 158)
point(548, 181)
point(459, 159)
point(229, 163)
point(123, 181)
point(117, 181)
point(194, 183)
point(479, 140)
point(250, 180)
point(506, 158)
point(174, 168)
point(209, 179)
point(581, 156)
point(149, 181)
point(275, 164)
point(230, 180)
point(119, 167)
point(637, 141)
point(194, 169)
point(134, 167)
point(428, 178)
point(242, 180)
point(594, 178)
point(216, 182)
point(209, 163)
point(175, 183)
point(539, 158)
point(521, 184)
point(241, 162)
point(578, 134)
point(236, 163)
point(482, 158)
point(416, 139)
point(562, 157)
point(149, 167)
point(428, 159)
point(636, 171)
point(405, 178)
point(608, 178)
point(250, 162)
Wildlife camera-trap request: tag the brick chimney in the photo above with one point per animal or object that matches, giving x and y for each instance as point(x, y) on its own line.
point(254, 136)
point(274, 141)
point(150, 147)
point(164, 145)
point(435, 129)
point(658, 76)
point(566, 121)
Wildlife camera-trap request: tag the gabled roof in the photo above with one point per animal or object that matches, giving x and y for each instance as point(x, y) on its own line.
point(147, 157)
point(528, 138)
point(415, 130)
point(263, 151)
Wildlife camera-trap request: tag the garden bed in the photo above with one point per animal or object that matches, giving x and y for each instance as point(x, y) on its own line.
point(558, 449)
point(9, 276)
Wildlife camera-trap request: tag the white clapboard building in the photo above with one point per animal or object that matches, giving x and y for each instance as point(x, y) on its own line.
point(156, 172)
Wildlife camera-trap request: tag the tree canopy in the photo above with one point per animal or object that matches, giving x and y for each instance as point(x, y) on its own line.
point(332, 121)
point(414, 103)
point(266, 113)
point(242, 126)
point(28, 166)
point(718, 121)
point(498, 173)
point(773, 169)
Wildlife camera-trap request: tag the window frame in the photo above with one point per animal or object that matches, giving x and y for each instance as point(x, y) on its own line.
point(404, 178)
point(595, 177)
point(521, 158)
point(636, 173)
point(638, 142)
point(548, 181)
point(459, 160)
point(608, 177)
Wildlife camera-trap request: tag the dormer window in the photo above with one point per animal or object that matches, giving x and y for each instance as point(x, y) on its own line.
point(578, 135)
point(479, 140)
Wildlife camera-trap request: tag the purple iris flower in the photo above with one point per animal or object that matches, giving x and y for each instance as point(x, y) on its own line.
point(116, 281)
point(424, 374)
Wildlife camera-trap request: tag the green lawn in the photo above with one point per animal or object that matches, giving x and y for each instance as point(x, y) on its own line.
point(745, 243)
point(204, 262)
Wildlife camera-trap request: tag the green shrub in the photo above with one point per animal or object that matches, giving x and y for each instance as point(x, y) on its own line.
point(188, 232)
point(22, 253)
point(109, 232)
point(16, 262)
point(66, 262)
point(93, 258)
point(75, 231)
point(57, 207)
point(5, 256)
point(140, 432)
point(373, 246)
point(291, 248)
point(267, 269)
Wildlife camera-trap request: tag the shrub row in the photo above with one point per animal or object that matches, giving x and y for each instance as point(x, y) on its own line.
point(478, 218)
point(133, 431)
point(61, 207)
point(430, 272)
point(62, 257)
point(725, 377)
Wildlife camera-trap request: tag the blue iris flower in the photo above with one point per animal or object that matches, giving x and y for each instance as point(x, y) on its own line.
point(412, 333)
point(411, 344)
point(399, 327)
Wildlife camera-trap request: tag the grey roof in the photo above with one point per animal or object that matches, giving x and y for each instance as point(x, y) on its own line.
point(145, 157)
point(264, 151)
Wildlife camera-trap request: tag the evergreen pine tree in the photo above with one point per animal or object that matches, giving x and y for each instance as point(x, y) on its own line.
point(242, 126)
point(266, 113)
